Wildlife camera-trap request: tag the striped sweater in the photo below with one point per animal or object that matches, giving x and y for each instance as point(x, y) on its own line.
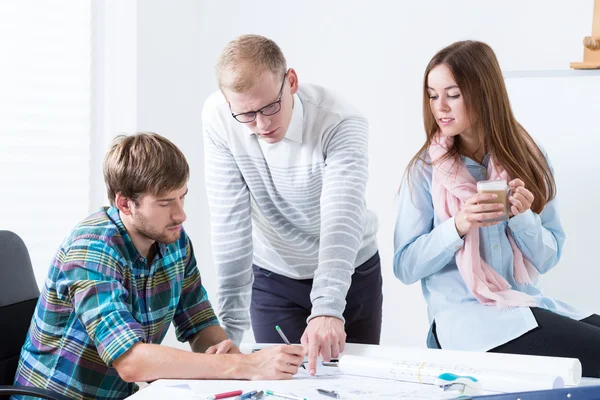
point(296, 207)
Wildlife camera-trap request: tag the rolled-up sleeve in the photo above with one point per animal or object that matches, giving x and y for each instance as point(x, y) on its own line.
point(90, 278)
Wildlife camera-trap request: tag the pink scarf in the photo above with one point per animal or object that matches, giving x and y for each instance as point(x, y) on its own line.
point(452, 185)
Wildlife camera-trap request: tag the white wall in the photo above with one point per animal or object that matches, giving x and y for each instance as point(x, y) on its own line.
point(562, 113)
point(375, 53)
point(114, 83)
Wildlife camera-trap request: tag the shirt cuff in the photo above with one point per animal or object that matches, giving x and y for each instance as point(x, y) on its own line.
point(113, 339)
point(452, 242)
point(327, 308)
point(235, 334)
point(521, 221)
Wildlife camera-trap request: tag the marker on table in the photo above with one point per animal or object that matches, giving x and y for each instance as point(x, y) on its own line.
point(247, 395)
point(285, 396)
point(330, 393)
point(448, 381)
point(285, 339)
point(224, 395)
point(258, 396)
point(334, 362)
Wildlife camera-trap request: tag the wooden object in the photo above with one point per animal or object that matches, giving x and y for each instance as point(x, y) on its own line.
point(591, 44)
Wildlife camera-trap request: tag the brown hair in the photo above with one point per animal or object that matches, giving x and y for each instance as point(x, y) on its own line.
point(479, 77)
point(145, 162)
point(244, 58)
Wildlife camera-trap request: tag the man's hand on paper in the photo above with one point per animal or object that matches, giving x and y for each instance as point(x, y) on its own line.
point(325, 336)
point(277, 362)
point(224, 347)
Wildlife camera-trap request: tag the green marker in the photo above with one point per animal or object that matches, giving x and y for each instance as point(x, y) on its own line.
point(285, 396)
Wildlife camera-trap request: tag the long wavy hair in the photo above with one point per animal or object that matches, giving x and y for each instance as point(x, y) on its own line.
point(477, 73)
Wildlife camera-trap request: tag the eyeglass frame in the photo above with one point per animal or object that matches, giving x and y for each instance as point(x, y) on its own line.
point(278, 101)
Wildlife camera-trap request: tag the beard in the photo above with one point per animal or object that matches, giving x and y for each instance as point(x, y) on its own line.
point(145, 228)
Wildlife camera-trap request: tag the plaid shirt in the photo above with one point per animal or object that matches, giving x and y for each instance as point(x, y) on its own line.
point(100, 298)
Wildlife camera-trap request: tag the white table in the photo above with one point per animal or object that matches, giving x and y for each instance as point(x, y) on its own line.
point(304, 385)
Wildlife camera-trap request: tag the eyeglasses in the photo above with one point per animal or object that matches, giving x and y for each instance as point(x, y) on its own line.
point(268, 110)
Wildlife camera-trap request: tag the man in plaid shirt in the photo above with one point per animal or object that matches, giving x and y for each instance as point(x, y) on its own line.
point(119, 280)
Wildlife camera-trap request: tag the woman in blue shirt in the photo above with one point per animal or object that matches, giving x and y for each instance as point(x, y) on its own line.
point(479, 276)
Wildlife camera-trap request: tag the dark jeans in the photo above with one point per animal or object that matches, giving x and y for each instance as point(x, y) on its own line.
point(278, 300)
point(559, 336)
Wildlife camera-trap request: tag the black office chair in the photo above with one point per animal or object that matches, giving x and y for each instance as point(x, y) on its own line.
point(18, 296)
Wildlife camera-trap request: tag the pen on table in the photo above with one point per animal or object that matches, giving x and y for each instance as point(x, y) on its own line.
point(330, 393)
point(334, 362)
point(467, 385)
point(224, 395)
point(285, 339)
point(257, 396)
point(285, 396)
point(247, 395)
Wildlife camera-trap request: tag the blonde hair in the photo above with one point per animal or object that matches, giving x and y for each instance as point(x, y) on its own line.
point(144, 162)
point(244, 58)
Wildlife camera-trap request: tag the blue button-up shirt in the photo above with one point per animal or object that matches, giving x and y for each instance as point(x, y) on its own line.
point(425, 248)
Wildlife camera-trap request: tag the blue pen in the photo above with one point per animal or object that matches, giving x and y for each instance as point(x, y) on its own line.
point(248, 395)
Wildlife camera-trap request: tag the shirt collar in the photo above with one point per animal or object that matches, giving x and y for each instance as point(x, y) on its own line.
point(470, 162)
point(132, 251)
point(294, 131)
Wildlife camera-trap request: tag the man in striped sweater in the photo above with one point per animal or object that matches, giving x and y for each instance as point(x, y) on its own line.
point(286, 173)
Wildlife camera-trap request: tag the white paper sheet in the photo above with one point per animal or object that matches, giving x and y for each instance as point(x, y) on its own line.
point(305, 386)
point(569, 369)
point(517, 374)
point(426, 373)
